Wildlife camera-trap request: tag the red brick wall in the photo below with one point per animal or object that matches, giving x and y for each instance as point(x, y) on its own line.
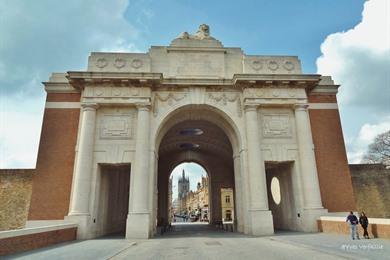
point(17, 244)
point(322, 99)
point(59, 97)
point(52, 183)
point(331, 158)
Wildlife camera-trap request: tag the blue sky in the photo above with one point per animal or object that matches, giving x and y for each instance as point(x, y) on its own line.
point(258, 27)
point(347, 39)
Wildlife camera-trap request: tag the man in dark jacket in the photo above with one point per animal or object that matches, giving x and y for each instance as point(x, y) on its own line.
point(363, 220)
point(353, 222)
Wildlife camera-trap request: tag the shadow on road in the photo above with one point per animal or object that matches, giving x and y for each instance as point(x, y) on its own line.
point(197, 230)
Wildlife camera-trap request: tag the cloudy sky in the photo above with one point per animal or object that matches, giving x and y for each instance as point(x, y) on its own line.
point(347, 39)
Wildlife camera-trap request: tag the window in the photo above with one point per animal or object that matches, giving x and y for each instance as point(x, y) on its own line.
point(227, 199)
point(228, 216)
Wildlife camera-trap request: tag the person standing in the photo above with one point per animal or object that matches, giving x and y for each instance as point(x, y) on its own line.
point(353, 223)
point(363, 220)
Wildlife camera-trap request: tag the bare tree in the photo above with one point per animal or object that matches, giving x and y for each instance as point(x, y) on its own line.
point(379, 150)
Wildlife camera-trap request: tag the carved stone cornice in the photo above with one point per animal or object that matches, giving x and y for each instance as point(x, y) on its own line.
point(79, 79)
point(325, 89)
point(307, 81)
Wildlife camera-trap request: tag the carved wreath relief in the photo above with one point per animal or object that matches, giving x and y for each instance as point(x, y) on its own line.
point(101, 63)
point(110, 90)
point(169, 98)
point(273, 65)
point(224, 98)
point(119, 63)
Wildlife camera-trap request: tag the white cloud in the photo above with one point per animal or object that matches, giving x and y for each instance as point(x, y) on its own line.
point(359, 60)
point(40, 37)
point(20, 122)
point(368, 132)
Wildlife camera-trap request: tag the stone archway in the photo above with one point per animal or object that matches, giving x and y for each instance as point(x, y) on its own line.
point(212, 147)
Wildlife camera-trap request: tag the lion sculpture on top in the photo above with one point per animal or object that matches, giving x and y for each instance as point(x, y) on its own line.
point(202, 33)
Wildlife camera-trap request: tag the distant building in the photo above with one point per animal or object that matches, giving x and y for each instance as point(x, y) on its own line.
point(227, 204)
point(197, 202)
point(176, 206)
point(183, 185)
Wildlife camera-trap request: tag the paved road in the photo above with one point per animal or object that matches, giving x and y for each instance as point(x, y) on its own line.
point(194, 241)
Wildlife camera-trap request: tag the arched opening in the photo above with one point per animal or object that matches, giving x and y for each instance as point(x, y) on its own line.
point(281, 195)
point(198, 135)
point(188, 194)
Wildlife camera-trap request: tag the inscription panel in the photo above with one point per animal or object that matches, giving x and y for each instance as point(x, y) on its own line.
point(116, 126)
point(276, 126)
point(208, 64)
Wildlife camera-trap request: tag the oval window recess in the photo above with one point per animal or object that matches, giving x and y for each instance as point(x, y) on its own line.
point(275, 190)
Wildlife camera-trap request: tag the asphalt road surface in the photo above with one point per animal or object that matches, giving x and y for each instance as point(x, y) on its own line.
point(202, 241)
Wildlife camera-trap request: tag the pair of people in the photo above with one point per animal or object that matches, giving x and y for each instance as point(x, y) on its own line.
point(354, 222)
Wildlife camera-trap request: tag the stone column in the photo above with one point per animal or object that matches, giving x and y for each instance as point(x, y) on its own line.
point(261, 220)
point(311, 189)
point(139, 212)
point(312, 196)
point(153, 199)
point(244, 168)
point(81, 187)
point(239, 197)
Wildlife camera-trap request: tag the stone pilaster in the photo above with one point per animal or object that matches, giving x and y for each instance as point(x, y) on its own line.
point(311, 189)
point(261, 217)
point(239, 216)
point(138, 219)
point(81, 187)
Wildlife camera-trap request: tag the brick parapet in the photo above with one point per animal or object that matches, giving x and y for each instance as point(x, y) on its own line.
point(15, 244)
